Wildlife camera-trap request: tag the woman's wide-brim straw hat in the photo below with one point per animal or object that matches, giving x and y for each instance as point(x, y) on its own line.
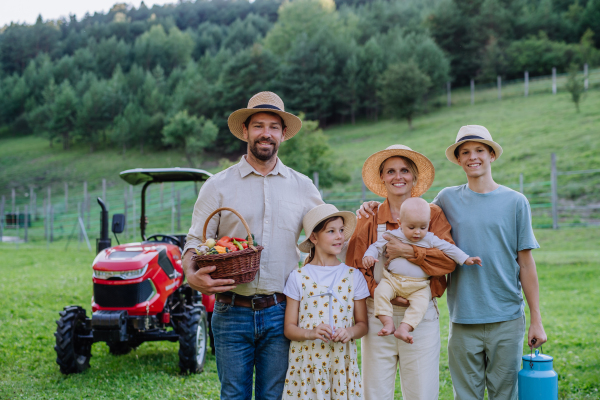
point(261, 102)
point(472, 133)
point(321, 213)
point(372, 177)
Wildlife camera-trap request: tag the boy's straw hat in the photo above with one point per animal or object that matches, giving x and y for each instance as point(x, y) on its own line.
point(261, 102)
point(473, 133)
point(321, 213)
point(372, 178)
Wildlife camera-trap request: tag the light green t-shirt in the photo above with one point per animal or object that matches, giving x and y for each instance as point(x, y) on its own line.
point(493, 226)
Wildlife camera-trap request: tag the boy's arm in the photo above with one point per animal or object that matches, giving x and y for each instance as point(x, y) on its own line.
point(529, 281)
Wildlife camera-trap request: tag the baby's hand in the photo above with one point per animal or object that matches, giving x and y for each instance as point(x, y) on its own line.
point(368, 262)
point(473, 260)
point(341, 335)
point(322, 332)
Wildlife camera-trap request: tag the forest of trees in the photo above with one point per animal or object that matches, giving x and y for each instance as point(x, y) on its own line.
point(168, 77)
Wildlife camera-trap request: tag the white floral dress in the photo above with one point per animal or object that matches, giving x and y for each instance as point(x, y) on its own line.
point(319, 370)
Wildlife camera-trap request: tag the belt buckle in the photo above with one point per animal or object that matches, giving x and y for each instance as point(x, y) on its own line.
point(252, 302)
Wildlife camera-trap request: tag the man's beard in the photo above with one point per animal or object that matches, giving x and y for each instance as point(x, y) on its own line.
point(266, 154)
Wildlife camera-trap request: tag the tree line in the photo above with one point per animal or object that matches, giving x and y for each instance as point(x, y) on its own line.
point(169, 76)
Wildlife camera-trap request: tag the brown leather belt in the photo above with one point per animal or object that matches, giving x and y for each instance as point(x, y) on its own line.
point(257, 302)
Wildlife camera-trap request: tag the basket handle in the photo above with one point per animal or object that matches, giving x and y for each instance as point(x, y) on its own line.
point(250, 242)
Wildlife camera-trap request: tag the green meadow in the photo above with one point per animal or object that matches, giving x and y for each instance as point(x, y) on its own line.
point(38, 282)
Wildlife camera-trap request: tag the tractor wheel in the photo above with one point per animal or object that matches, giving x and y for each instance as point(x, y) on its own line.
point(193, 339)
point(72, 353)
point(119, 348)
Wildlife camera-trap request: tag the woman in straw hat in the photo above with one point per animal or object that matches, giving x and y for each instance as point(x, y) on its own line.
point(323, 299)
point(399, 173)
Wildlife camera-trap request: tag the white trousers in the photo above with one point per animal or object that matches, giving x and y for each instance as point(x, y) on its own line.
point(419, 362)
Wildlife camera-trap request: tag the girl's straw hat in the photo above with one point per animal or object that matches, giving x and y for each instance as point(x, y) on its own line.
point(472, 133)
point(261, 102)
point(372, 178)
point(321, 213)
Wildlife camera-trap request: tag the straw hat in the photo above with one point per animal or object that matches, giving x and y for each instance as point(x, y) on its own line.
point(321, 213)
point(263, 101)
point(372, 178)
point(472, 133)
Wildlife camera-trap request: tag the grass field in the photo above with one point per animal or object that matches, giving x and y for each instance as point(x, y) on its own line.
point(37, 283)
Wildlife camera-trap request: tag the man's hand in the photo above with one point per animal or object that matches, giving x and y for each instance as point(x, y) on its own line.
point(200, 280)
point(537, 335)
point(395, 248)
point(368, 261)
point(400, 301)
point(366, 209)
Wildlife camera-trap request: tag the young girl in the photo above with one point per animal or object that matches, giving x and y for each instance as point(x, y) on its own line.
point(323, 299)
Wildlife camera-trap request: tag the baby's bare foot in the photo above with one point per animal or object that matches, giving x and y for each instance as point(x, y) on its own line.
point(388, 326)
point(403, 333)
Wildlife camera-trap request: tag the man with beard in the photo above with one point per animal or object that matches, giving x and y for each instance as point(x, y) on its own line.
point(247, 321)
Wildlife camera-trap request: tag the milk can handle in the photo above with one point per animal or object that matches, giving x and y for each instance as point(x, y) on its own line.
point(533, 341)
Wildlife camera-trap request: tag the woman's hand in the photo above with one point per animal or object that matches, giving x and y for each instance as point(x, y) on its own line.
point(367, 209)
point(400, 301)
point(395, 248)
point(342, 335)
point(322, 332)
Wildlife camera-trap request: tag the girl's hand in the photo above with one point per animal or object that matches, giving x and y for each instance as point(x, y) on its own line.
point(342, 335)
point(473, 260)
point(322, 332)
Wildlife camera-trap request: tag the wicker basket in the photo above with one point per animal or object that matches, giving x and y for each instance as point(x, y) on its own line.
point(241, 266)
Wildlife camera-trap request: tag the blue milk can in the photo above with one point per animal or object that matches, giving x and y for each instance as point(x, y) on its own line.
point(537, 379)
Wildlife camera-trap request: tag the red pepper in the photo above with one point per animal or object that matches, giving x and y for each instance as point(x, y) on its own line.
point(231, 247)
point(239, 239)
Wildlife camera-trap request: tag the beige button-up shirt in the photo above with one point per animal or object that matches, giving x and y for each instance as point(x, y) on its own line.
point(272, 205)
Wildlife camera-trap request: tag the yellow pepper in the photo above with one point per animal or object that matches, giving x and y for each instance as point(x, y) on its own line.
point(221, 249)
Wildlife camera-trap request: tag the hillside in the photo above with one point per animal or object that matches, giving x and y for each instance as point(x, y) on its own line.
point(529, 129)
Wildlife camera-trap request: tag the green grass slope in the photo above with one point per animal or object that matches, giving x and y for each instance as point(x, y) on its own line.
point(529, 129)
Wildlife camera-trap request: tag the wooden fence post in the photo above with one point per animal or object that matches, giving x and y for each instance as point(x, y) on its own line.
point(449, 94)
point(553, 176)
point(521, 182)
point(104, 192)
point(472, 91)
point(79, 218)
point(17, 225)
point(363, 191)
point(66, 197)
point(51, 212)
point(316, 179)
point(553, 80)
point(586, 78)
point(26, 220)
point(499, 80)
point(14, 200)
point(33, 205)
point(2, 218)
point(526, 83)
point(178, 212)
point(162, 187)
point(125, 207)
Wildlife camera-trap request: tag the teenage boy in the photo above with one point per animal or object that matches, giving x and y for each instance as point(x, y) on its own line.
point(487, 320)
point(248, 319)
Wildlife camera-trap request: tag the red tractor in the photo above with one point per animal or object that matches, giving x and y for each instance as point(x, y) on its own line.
point(139, 292)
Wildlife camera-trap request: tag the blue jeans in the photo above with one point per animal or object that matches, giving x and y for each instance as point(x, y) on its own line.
point(246, 340)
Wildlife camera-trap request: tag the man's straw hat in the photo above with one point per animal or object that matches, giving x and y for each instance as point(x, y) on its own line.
point(261, 102)
point(321, 213)
point(372, 178)
point(472, 133)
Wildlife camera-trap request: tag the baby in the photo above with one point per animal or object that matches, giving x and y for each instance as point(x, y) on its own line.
point(404, 278)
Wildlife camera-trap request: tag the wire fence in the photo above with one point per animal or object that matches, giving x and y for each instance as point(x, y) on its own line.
point(527, 86)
